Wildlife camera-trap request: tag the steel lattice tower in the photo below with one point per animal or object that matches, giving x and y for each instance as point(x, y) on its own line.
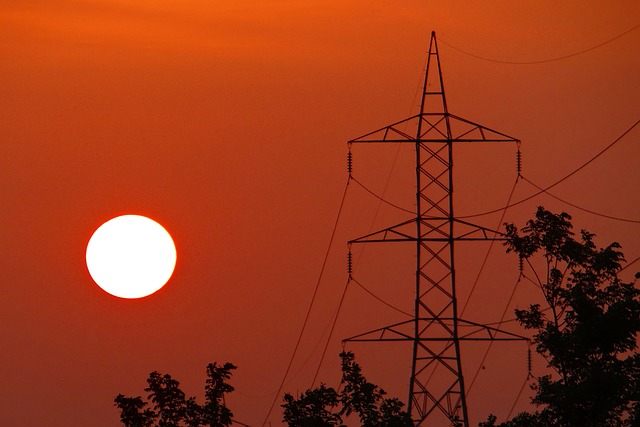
point(436, 387)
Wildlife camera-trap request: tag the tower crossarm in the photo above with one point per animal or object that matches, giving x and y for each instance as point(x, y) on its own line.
point(463, 130)
point(433, 229)
point(468, 331)
point(393, 332)
point(473, 331)
point(432, 128)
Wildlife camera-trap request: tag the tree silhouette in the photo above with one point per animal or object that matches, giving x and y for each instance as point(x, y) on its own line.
point(314, 408)
point(318, 407)
point(131, 414)
point(171, 408)
point(587, 331)
point(215, 412)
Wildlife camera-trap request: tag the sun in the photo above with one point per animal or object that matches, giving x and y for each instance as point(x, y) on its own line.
point(131, 256)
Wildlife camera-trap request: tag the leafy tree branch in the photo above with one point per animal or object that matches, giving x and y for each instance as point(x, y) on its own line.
point(589, 337)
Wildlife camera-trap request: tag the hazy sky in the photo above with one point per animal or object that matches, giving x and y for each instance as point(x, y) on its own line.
point(227, 123)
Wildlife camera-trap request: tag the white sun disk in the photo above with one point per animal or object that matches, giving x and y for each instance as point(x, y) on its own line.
point(131, 256)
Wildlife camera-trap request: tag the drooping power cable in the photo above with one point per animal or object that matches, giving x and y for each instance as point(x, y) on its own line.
point(616, 218)
point(486, 353)
point(580, 52)
point(618, 139)
point(486, 257)
point(630, 263)
point(380, 198)
point(380, 299)
point(313, 298)
point(333, 326)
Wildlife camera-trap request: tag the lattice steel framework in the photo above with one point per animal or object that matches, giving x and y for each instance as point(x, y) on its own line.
point(436, 387)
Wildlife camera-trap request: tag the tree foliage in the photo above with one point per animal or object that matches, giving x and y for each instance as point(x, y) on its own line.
point(171, 408)
point(587, 330)
point(313, 408)
point(325, 407)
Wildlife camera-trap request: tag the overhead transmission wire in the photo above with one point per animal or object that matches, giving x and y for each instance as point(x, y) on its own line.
point(328, 328)
point(350, 276)
point(500, 323)
point(486, 256)
point(618, 139)
point(529, 358)
point(524, 384)
point(381, 198)
point(391, 306)
point(616, 218)
point(346, 286)
point(333, 326)
point(395, 159)
point(350, 279)
point(529, 361)
point(543, 61)
point(484, 262)
point(630, 263)
point(313, 298)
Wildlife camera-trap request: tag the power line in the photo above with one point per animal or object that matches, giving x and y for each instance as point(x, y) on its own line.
point(579, 207)
point(580, 52)
point(486, 256)
point(515, 402)
point(333, 326)
point(335, 319)
point(313, 298)
point(380, 299)
point(629, 264)
point(594, 157)
point(477, 280)
point(380, 198)
point(618, 139)
point(393, 164)
point(486, 353)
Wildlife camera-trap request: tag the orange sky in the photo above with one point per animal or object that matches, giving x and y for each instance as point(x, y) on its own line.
point(227, 123)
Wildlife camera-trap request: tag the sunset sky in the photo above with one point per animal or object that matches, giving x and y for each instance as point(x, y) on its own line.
point(227, 123)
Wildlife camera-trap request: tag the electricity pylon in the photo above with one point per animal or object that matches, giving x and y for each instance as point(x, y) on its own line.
point(436, 386)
